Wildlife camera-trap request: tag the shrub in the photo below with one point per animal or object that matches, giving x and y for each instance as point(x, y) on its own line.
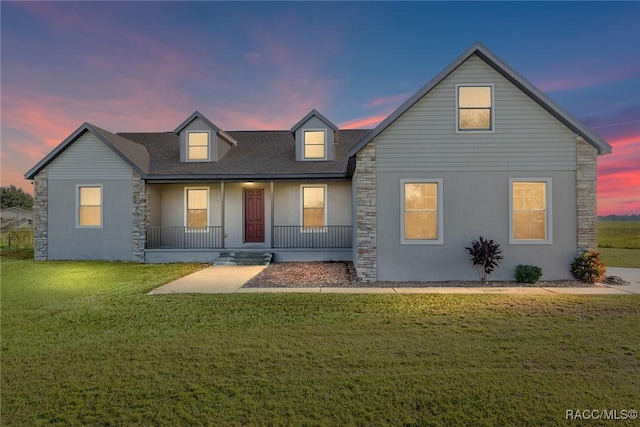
point(485, 255)
point(588, 267)
point(528, 273)
point(24, 253)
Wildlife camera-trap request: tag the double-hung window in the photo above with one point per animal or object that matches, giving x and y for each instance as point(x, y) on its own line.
point(196, 207)
point(89, 206)
point(314, 207)
point(530, 202)
point(314, 144)
point(197, 146)
point(474, 107)
point(421, 217)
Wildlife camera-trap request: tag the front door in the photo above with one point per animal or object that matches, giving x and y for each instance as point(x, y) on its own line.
point(253, 215)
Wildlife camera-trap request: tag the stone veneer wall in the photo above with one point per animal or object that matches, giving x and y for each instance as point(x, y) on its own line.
point(586, 195)
point(140, 217)
point(366, 249)
point(41, 207)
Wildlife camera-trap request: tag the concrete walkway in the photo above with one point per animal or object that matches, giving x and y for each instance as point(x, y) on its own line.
point(212, 280)
point(229, 279)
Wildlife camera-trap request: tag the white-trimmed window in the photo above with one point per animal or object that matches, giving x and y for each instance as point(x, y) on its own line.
point(197, 146)
point(530, 205)
point(421, 219)
point(474, 108)
point(314, 207)
point(89, 206)
point(196, 207)
point(314, 144)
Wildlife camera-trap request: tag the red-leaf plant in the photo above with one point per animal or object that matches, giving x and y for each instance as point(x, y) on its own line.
point(485, 255)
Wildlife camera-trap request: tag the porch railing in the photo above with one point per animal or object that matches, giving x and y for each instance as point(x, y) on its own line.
point(184, 237)
point(297, 236)
point(284, 236)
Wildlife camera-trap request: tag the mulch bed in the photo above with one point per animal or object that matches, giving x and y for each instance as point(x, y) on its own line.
point(342, 274)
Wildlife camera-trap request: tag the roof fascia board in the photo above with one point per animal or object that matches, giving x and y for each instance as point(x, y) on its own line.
point(85, 127)
point(56, 151)
point(123, 156)
point(196, 115)
point(312, 113)
point(412, 100)
point(510, 74)
point(243, 177)
point(543, 100)
point(231, 140)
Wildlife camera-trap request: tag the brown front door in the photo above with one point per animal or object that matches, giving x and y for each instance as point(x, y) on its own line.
point(253, 215)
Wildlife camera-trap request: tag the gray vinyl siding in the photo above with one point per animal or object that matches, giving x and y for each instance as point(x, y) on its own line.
point(525, 138)
point(88, 161)
point(474, 204)
point(89, 157)
point(314, 123)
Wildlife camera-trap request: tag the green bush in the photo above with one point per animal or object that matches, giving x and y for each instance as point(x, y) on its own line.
point(528, 273)
point(588, 267)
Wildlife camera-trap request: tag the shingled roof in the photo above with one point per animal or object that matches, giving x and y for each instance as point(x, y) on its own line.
point(258, 155)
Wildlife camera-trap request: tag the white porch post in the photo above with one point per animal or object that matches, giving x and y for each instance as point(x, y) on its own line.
point(273, 228)
point(222, 213)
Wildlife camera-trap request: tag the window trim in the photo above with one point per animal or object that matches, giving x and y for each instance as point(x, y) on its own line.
point(324, 132)
point(208, 159)
point(80, 226)
point(549, 212)
point(186, 206)
point(439, 211)
point(492, 122)
point(322, 229)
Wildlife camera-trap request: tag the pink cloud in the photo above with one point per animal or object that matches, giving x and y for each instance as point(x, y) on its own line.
point(619, 177)
point(393, 100)
point(579, 80)
point(364, 122)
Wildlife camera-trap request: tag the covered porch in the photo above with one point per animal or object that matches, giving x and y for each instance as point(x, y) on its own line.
point(195, 221)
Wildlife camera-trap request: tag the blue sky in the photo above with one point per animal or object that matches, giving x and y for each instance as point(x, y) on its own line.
point(146, 66)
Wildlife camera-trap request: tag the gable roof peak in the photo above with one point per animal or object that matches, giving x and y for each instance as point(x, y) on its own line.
point(511, 75)
point(196, 115)
point(310, 114)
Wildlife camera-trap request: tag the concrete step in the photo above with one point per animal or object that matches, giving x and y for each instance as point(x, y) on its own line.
point(244, 258)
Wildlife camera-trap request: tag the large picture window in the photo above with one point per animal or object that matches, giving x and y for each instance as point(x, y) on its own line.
point(89, 206)
point(314, 144)
point(421, 211)
point(198, 146)
point(530, 200)
point(314, 204)
point(475, 108)
point(196, 207)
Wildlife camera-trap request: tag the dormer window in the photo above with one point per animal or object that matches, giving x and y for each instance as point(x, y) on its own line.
point(475, 108)
point(197, 146)
point(314, 144)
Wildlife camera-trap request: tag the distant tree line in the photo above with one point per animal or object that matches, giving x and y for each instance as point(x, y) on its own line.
point(619, 218)
point(15, 197)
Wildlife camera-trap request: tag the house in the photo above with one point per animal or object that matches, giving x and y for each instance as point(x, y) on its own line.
point(477, 151)
point(16, 218)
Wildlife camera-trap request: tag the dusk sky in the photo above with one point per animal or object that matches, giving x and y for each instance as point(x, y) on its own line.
point(146, 66)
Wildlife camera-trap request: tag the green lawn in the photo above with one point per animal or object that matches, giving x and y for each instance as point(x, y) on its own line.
point(82, 344)
point(619, 243)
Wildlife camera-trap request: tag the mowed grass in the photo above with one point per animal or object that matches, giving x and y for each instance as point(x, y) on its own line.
point(619, 243)
point(82, 344)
